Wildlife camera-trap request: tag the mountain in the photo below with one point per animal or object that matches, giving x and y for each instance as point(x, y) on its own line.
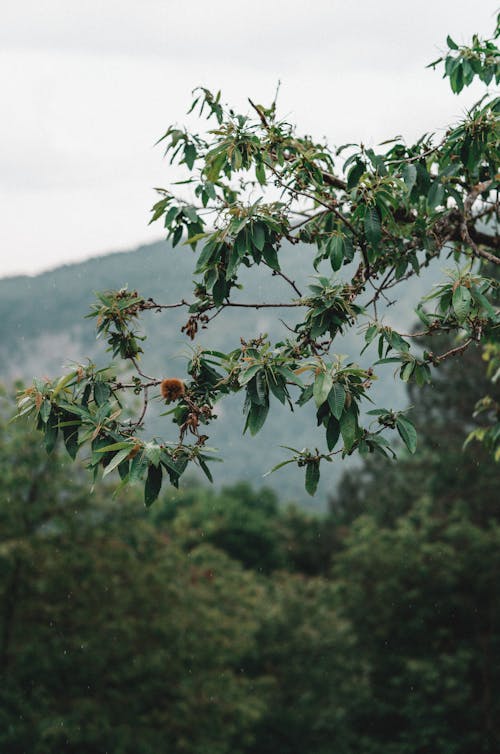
point(44, 331)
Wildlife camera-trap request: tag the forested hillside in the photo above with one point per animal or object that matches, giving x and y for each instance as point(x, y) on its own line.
point(43, 329)
point(221, 622)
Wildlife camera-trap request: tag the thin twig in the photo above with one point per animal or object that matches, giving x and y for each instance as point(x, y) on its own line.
point(452, 352)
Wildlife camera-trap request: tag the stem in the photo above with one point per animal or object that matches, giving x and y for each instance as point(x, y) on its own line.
point(452, 352)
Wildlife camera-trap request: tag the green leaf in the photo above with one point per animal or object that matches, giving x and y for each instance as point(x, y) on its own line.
point(336, 400)
point(153, 484)
point(232, 265)
point(312, 476)
point(461, 302)
point(332, 433)
point(152, 452)
point(219, 290)
point(258, 236)
point(373, 230)
point(51, 430)
point(336, 252)
point(123, 469)
point(261, 387)
point(74, 409)
point(451, 44)
point(209, 250)
point(102, 392)
point(70, 436)
point(117, 446)
point(435, 196)
point(62, 383)
point(279, 466)
point(189, 155)
point(271, 256)
point(409, 173)
point(45, 409)
point(256, 418)
point(355, 174)
point(422, 374)
point(289, 375)
point(407, 371)
point(483, 301)
point(407, 432)
point(322, 386)
point(241, 243)
point(205, 469)
point(247, 375)
point(260, 173)
point(277, 387)
point(305, 396)
point(116, 460)
point(137, 467)
point(348, 428)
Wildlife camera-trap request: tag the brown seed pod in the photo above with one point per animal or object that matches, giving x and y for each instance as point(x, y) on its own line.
point(172, 389)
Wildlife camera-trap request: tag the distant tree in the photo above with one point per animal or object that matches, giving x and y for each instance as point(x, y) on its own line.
point(441, 468)
point(112, 637)
point(422, 600)
point(380, 216)
point(240, 521)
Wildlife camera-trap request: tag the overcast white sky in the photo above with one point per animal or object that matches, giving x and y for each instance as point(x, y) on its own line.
point(87, 88)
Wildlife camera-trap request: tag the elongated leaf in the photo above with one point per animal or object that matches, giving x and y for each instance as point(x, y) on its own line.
point(277, 388)
point(169, 463)
point(306, 395)
point(117, 446)
point(336, 252)
point(189, 155)
point(209, 251)
point(436, 194)
point(123, 469)
point(461, 302)
point(279, 466)
point(247, 375)
point(332, 433)
point(74, 409)
point(372, 226)
point(233, 263)
point(409, 173)
point(483, 301)
point(137, 467)
point(289, 375)
point(70, 435)
point(62, 383)
point(271, 257)
point(258, 236)
point(152, 452)
point(205, 469)
point(336, 400)
point(116, 460)
point(348, 428)
point(256, 418)
point(153, 484)
point(312, 477)
point(51, 430)
point(45, 409)
point(322, 386)
point(407, 432)
point(261, 387)
point(407, 371)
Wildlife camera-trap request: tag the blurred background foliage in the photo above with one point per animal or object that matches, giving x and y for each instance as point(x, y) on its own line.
point(227, 622)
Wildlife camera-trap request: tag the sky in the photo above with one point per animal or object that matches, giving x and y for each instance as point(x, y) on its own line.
point(88, 87)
